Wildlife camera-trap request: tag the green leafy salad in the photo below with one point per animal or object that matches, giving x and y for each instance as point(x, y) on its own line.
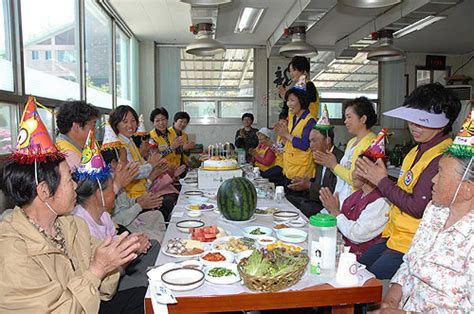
point(221, 272)
point(257, 231)
point(263, 263)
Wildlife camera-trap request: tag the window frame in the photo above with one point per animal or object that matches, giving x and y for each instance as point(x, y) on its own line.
point(217, 119)
point(14, 40)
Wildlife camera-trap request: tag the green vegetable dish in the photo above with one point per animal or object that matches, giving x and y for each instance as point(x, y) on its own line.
point(257, 231)
point(221, 272)
point(273, 263)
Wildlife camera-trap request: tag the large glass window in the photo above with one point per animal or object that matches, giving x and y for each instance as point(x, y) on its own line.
point(122, 68)
point(43, 32)
point(7, 125)
point(6, 65)
point(47, 116)
point(98, 56)
point(218, 87)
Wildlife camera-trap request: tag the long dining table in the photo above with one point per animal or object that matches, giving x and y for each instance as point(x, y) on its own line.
point(309, 292)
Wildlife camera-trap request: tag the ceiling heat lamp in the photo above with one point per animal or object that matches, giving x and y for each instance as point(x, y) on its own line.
point(298, 45)
point(204, 45)
point(368, 4)
point(385, 51)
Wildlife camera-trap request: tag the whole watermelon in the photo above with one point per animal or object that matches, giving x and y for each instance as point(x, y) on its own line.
point(237, 199)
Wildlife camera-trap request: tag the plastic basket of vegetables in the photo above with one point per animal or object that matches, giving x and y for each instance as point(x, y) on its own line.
point(270, 271)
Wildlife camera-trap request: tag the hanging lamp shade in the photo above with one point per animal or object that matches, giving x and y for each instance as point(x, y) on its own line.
point(385, 52)
point(369, 4)
point(204, 45)
point(205, 2)
point(298, 45)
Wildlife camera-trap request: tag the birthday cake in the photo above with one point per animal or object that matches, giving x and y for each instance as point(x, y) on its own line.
point(220, 163)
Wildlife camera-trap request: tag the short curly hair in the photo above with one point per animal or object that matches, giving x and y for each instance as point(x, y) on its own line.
point(79, 112)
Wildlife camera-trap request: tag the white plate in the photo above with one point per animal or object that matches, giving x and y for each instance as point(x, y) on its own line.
point(201, 210)
point(266, 208)
point(266, 232)
point(223, 280)
point(205, 246)
point(239, 222)
point(292, 235)
point(221, 234)
point(225, 239)
point(229, 258)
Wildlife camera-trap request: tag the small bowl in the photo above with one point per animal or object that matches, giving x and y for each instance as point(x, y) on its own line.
point(285, 215)
point(266, 240)
point(194, 213)
point(292, 235)
point(183, 279)
point(193, 264)
point(184, 225)
point(265, 232)
point(278, 229)
point(297, 223)
point(197, 199)
point(229, 257)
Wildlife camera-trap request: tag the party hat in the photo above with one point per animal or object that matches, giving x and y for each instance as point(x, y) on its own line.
point(111, 139)
point(141, 131)
point(323, 122)
point(377, 147)
point(92, 164)
point(463, 145)
point(301, 84)
point(34, 143)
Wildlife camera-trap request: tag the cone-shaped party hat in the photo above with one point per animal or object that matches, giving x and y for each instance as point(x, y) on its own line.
point(34, 143)
point(323, 122)
point(111, 139)
point(301, 84)
point(377, 147)
point(463, 145)
point(141, 131)
point(92, 164)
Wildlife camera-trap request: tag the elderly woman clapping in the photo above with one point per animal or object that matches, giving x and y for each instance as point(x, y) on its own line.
point(95, 195)
point(438, 270)
point(48, 260)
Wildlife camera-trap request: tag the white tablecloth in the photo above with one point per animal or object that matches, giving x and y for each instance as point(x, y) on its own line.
point(235, 229)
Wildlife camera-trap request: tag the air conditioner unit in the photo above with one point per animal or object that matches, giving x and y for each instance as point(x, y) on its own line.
point(464, 94)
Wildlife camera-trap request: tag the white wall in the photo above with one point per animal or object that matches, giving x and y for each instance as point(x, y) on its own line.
point(148, 80)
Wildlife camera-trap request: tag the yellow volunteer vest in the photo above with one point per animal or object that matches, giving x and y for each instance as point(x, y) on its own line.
point(314, 106)
point(66, 145)
point(173, 158)
point(279, 156)
point(262, 153)
point(136, 188)
point(401, 227)
point(178, 156)
point(298, 163)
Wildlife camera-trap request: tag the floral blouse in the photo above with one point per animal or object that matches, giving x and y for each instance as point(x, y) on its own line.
point(438, 270)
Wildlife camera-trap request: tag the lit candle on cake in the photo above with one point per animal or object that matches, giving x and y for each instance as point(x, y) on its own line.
point(209, 151)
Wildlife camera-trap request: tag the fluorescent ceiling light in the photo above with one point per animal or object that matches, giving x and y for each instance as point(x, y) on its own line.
point(430, 19)
point(248, 20)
